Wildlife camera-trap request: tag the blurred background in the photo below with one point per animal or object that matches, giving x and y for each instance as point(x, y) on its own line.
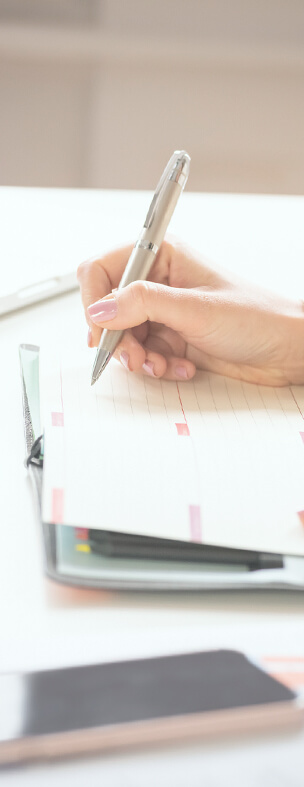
point(98, 93)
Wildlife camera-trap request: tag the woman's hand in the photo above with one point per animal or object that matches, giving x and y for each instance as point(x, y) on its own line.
point(189, 316)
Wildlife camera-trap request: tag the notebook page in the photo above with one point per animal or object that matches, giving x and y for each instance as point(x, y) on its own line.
point(211, 460)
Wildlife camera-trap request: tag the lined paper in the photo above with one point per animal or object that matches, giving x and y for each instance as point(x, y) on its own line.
point(212, 460)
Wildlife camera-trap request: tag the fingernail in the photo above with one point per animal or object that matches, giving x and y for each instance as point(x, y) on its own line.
point(89, 338)
point(101, 311)
point(148, 366)
point(181, 371)
point(124, 359)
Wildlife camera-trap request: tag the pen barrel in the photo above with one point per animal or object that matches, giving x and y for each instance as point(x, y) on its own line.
point(110, 340)
point(141, 259)
point(139, 265)
point(143, 254)
point(166, 205)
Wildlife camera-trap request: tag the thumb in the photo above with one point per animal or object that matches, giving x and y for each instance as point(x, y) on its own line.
point(175, 307)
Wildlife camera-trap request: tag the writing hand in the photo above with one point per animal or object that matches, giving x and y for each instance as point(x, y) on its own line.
point(191, 315)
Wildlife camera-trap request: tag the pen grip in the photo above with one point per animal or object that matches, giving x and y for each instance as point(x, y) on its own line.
point(110, 340)
point(138, 268)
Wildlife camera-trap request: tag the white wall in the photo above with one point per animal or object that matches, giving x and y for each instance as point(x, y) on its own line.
point(103, 99)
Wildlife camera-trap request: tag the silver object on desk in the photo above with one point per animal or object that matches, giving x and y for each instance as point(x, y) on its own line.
point(38, 291)
point(146, 247)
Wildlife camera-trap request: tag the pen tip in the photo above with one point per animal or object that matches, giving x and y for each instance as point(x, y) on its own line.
point(101, 361)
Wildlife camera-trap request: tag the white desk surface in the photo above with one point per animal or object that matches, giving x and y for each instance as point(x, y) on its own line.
point(45, 625)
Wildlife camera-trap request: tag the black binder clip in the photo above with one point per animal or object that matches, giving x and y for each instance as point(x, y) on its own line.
point(35, 456)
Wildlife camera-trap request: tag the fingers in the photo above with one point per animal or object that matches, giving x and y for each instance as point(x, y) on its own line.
point(142, 359)
point(98, 277)
point(137, 358)
point(175, 266)
point(130, 353)
point(156, 365)
point(179, 309)
point(179, 369)
point(172, 368)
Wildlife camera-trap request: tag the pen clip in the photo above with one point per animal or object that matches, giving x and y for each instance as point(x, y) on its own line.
point(173, 171)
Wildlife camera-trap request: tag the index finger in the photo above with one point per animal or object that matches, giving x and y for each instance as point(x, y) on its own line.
point(98, 277)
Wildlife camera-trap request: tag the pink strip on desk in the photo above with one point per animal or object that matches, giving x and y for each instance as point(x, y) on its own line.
point(195, 523)
point(183, 411)
point(182, 430)
point(57, 506)
point(301, 517)
point(57, 419)
point(82, 533)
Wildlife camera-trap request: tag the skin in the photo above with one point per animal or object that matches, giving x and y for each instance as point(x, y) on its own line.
point(191, 315)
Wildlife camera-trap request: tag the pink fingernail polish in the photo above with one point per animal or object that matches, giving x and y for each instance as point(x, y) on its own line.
point(181, 371)
point(124, 359)
point(148, 366)
point(102, 311)
point(89, 338)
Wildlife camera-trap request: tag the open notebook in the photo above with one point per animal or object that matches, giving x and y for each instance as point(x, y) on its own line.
point(161, 458)
point(212, 461)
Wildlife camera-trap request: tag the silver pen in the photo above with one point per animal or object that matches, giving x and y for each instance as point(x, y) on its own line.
point(146, 247)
